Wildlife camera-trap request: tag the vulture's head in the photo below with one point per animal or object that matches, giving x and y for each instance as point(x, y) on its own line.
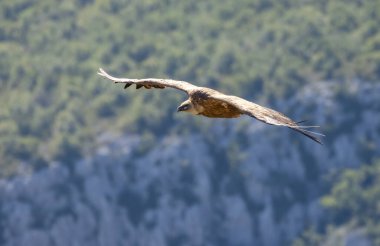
point(187, 106)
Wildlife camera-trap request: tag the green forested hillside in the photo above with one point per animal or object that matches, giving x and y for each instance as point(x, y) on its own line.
point(353, 202)
point(54, 105)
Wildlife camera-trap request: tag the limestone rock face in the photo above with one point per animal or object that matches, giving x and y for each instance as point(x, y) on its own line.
point(237, 182)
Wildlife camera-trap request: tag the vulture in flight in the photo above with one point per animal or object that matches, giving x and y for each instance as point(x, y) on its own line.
point(211, 103)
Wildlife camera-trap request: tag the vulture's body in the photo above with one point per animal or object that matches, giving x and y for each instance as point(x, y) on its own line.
point(211, 103)
point(206, 105)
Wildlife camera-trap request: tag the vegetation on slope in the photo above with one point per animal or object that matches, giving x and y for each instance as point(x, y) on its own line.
point(352, 203)
point(54, 105)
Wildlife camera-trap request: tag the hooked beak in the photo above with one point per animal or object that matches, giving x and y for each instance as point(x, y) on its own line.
point(182, 108)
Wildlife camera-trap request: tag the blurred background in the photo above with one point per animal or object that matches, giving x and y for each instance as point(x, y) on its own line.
point(84, 162)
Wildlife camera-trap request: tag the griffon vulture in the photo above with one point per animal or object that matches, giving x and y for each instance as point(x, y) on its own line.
point(211, 103)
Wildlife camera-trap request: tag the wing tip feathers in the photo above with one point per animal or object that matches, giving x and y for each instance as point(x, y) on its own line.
point(309, 134)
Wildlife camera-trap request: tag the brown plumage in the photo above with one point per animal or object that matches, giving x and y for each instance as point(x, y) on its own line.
point(211, 103)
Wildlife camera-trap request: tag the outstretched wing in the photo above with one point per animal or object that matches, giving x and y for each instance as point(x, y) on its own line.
point(266, 115)
point(150, 82)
